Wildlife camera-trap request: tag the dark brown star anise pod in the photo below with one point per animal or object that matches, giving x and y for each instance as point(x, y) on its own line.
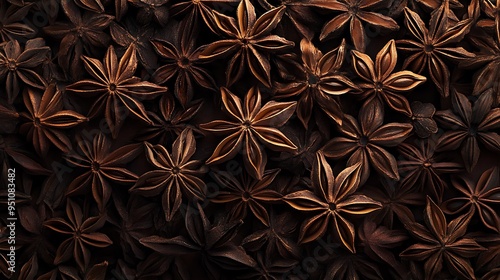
point(119, 91)
point(422, 119)
point(380, 82)
point(171, 121)
point(269, 268)
point(182, 61)
point(102, 166)
point(431, 46)
point(320, 81)
point(18, 64)
point(212, 242)
point(482, 197)
point(65, 272)
point(277, 237)
point(46, 119)
point(248, 41)
point(422, 168)
point(175, 175)
point(468, 125)
point(151, 10)
point(83, 234)
point(443, 242)
point(83, 33)
point(364, 141)
point(354, 13)
point(247, 194)
point(11, 17)
point(347, 266)
point(377, 243)
point(12, 150)
point(92, 5)
point(332, 198)
point(251, 124)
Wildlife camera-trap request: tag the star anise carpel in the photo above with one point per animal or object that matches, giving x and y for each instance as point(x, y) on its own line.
point(251, 126)
point(332, 199)
point(117, 89)
point(248, 40)
point(380, 82)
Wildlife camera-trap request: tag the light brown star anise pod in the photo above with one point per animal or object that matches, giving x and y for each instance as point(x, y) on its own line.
point(320, 81)
point(332, 198)
point(431, 46)
point(175, 175)
point(46, 119)
point(17, 64)
point(101, 166)
point(248, 41)
point(364, 141)
point(468, 125)
point(355, 13)
point(82, 234)
point(183, 63)
point(119, 91)
point(443, 242)
point(251, 124)
point(482, 197)
point(380, 82)
point(247, 194)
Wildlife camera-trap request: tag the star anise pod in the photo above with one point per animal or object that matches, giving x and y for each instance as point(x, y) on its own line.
point(212, 242)
point(12, 150)
point(150, 10)
point(380, 82)
point(443, 242)
point(320, 81)
point(117, 88)
point(248, 40)
point(377, 243)
point(171, 121)
point(346, 266)
point(431, 46)
point(200, 8)
point(46, 119)
point(83, 33)
point(65, 272)
point(182, 62)
point(92, 5)
point(11, 27)
point(468, 126)
point(82, 234)
point(154, 266)
point(397, 201)
point(175, 175)
point(480, 197)
point(365, 140)
point(269, 268)
point(277, 237)
point(10, 116)
point(421, 118)
point(18, 64)
point(332, 198)
point(101, 166)
point(247, 194)
point(354, 13)
point(131, 33)
point(250, 125)
point(423, 168)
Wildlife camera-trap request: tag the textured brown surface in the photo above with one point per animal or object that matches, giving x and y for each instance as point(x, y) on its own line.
point(252, 139)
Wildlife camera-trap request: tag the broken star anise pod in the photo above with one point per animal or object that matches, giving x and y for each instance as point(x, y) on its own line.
point(248, 41)
point(119, 91)
point(331, 199)
point(252, 125)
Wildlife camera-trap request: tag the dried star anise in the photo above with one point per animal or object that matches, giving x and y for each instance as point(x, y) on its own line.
point(251, 124)
point(332, 198)
point(119, 91)
point(248, 41)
